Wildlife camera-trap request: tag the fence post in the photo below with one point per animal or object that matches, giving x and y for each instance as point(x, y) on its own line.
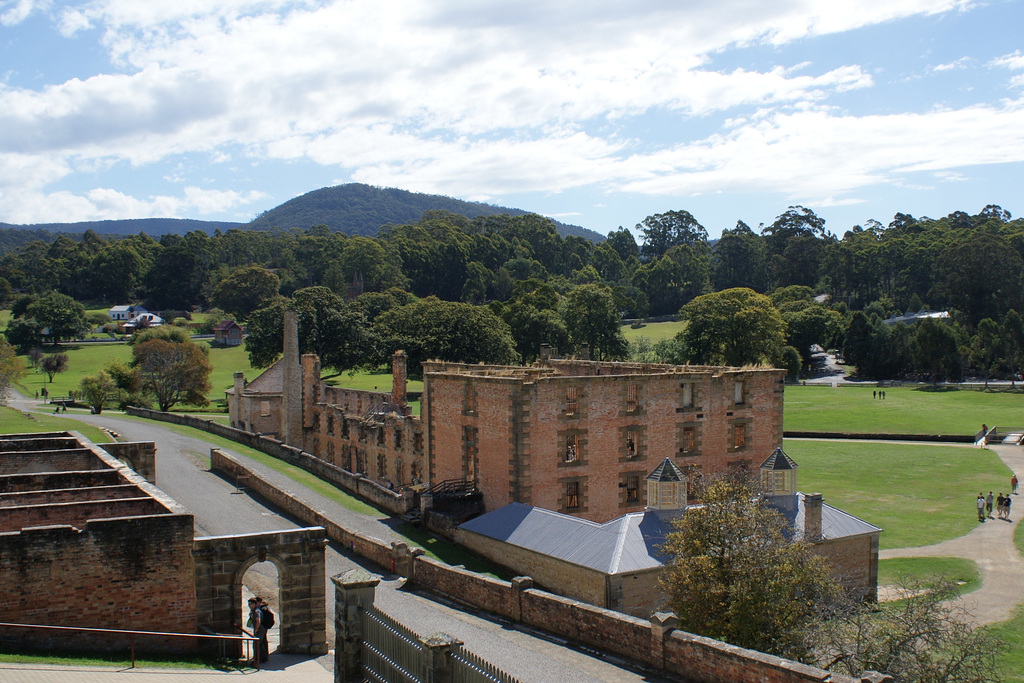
point(437, 667)
point(352, 589)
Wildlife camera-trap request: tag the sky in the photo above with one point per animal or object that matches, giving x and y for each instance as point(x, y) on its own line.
point(595, 112)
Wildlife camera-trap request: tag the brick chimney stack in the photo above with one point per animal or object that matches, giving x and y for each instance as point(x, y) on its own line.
point(399, 378)
point(812, 517)
point(291, 418)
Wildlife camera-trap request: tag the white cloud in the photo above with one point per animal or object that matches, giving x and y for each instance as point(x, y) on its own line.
point(14, 12)
point(961, 63)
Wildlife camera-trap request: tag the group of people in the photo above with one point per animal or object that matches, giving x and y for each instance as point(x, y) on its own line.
point(1001, 503)
point(260, 619)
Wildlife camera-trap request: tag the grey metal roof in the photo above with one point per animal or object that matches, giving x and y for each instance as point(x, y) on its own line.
point(778, 460)
point(631, 542)
point(626, 544)
point(834, 522)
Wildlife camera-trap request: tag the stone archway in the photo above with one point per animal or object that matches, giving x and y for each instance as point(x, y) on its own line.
point(298, 554)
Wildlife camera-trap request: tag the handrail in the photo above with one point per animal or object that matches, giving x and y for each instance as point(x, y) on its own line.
point(247, 638)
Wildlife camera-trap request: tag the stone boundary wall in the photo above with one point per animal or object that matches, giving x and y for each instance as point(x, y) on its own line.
point(394, 502)
point(950, 438)
point(699, 660)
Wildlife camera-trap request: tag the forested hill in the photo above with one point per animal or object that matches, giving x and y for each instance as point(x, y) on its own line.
point(358, 209)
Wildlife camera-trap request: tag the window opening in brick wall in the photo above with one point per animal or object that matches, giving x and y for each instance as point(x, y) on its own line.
point(400, 471)
point(739, 435)
point(632, 488)
point(330, 452)
point(361, 462)
point(632, 443)
point(470, 399)
point(414, 472)
point(737, 391)
point(264, 408)
point(571, 403)
point(344, 428)
point(382, 470)
point(689, 444)
point(572, 444)
point(380, 435)
point(572, 495)
point(469, 452)
point(417, 442)
point(398, 437)
point(687, 399)
point(632, 397)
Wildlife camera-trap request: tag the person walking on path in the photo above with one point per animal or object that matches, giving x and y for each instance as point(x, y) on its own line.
point(1006, 509)
point(988, 505)
point(981, 507)
point(999, 505)
point(1013, 484)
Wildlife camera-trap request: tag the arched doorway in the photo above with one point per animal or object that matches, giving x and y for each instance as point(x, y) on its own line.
point(223, 563)
point(261, 580)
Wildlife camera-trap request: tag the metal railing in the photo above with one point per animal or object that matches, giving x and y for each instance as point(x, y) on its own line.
point(393, 653)
point(133, 634)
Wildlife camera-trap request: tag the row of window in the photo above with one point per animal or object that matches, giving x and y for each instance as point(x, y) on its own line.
point(687, 396)
point(631, 450)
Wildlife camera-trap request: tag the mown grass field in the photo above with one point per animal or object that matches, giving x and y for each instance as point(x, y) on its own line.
point(920, 494)
point(656, 332)
point(905, 410)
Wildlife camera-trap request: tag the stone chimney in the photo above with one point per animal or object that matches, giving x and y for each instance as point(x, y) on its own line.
point(291, 384)
point(399, 378)
point(812, 517)
point(234, 405)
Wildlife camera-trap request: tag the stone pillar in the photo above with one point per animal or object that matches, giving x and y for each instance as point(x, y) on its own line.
point(291, 389)
point(235, 403)
point(812, 517)
point(352, 590)
point(662, 624)
point(399, 378)
point(584, 352)
point(545, 352)
point(520, 584)
point(437, 667)
point(401, 559)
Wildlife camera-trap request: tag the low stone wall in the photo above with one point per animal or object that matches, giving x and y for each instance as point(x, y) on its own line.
point(395, 502)
point(938, 438)
point(64, 460)
point(699, 660)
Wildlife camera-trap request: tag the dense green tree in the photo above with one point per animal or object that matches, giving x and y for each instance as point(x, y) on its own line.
point(23, 333)
point(736, 574)
point(857, 342)
point(332, 329)
point(59, 317)
point(734, 327)
point(446, 330)
point(245, 290)
point(1013, 343)
point(531, 327)
point(591, 318)
point(623, 243)
point(173, 373)
point(986, 348)
point(662, 231)
point(936, 349)
point(979, 275)
point(740, 259)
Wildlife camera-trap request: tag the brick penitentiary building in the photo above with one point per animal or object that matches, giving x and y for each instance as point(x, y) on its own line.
point(573, 436)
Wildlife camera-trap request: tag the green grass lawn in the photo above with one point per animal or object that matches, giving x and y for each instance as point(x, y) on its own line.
point(920, 494)
point(16, 422)
point(956, 569)
point(906, 410)
point(656, 332)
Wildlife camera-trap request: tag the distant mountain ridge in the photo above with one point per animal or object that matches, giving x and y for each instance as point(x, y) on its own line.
point(354, 208)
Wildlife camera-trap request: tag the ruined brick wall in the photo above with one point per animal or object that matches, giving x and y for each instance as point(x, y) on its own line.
point(139, 455)
point(578, 443)
point(114, 573)
point(64, 460)
point(15, 518)
point(386, 449)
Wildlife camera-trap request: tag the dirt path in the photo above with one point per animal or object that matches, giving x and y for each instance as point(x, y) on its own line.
point(990, 545)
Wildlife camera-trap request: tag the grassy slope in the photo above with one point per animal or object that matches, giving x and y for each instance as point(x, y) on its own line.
point(907, 410)
point(656, 332)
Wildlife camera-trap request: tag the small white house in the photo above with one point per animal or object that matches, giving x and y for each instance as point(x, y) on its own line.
point(125, 312)
point(144, 320)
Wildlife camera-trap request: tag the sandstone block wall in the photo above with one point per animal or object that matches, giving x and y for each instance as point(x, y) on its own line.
point(140, 456)
point(855, 562)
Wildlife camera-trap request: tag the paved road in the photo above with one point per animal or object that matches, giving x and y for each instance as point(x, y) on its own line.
point(219, 509)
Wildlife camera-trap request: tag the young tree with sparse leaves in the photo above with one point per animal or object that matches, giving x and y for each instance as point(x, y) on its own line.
point(53, 364)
